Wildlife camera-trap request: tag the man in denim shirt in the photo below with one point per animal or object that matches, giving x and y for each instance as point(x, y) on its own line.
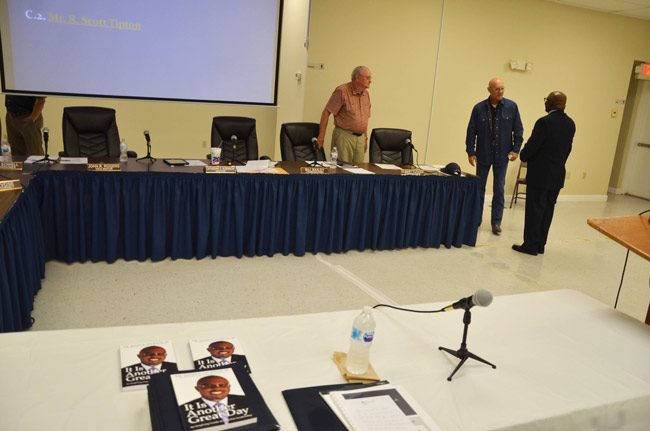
point(494, 136)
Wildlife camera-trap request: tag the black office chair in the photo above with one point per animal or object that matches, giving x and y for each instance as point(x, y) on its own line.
point(90, 131)
point(237, 138)
point(296, 142)
point(391, 146)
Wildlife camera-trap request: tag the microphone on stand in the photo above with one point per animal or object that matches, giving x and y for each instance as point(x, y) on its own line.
point(408, 143)
point(233, 141)
point(46, 140)
point(148, 156)
point(314, 144)
point(482, 298)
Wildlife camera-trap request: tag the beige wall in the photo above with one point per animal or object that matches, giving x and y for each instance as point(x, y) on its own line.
point(431, 60)
point(586, 54)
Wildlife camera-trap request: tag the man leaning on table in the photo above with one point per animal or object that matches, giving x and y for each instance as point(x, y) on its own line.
point(350, 105)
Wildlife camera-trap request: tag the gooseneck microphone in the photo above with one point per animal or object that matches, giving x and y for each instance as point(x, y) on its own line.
point(482, 298)
point(46, 136)
point(233, 139)
point(146, 136)
point(314, 141)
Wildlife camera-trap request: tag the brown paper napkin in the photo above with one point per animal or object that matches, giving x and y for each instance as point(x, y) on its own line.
point(369, 376)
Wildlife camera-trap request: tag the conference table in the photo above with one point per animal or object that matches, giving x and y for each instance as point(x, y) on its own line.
point(564, 362)
point(155, 211)
point(632, 232)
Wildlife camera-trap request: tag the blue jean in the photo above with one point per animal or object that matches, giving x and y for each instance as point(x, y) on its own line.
point(498, 186)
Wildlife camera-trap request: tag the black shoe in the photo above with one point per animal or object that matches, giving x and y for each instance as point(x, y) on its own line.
point(496, 229)
point(522, 249)
point(541, 250)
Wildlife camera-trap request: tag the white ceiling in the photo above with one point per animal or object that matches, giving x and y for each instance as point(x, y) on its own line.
point(632, 8)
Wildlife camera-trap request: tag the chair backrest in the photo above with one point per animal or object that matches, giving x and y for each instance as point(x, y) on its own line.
point(245, 135)
point(391, 146)
point(296, 142)
point(90, 131)
point(521, 173)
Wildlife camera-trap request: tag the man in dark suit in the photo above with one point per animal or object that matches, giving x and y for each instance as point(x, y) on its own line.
point(222, 353)
point(546, 153)
point(216, 405)
point(152, 361)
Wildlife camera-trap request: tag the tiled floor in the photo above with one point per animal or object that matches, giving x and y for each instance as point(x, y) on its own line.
point(131, 293)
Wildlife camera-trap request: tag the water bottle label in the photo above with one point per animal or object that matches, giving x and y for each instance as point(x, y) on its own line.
point(365, 337)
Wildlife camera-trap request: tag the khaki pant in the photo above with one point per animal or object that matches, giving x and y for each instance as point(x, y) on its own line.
point(25, 135)
point(349, 146)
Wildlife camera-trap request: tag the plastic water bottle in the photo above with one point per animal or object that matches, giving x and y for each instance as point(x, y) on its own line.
point(363, 332)
point(5, 149)
point(124, 157)
point(334, 154)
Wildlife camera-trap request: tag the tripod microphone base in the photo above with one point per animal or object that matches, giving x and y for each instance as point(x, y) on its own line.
point(463, 355)
point(46, 159)
point(148, 158)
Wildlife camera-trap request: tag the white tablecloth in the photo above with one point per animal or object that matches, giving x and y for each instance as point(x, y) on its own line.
point(564, 362)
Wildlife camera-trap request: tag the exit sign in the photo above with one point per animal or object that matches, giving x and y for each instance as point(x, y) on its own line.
point(643, 71)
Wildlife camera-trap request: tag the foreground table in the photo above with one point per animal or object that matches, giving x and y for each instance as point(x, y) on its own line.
point(564, 362)
point(632, 232)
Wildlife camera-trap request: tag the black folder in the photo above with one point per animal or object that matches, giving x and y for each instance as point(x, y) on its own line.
point(310, 411)
point(166, 417)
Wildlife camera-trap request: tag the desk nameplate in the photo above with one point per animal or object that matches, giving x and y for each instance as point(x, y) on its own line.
point(9, 185)
point(220, 170)
point(11, 166)
point(317, 170)
point(104, 167)
point(412, 171)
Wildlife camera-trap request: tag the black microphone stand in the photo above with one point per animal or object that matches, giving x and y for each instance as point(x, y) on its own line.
point(47, 158)
point(234, 160)
point(315, 162)
point(463, 354)
point(148, 156)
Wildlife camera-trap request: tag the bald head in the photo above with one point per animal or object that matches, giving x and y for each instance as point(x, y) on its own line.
point(496, 88)
point(556, 100)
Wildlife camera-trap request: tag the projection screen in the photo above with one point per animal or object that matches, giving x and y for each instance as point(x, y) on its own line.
point(196, 50)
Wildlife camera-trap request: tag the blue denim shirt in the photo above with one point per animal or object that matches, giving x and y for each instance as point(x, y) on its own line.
point(509, 132)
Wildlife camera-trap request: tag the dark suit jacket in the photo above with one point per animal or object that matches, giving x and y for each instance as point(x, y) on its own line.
point(547, 150)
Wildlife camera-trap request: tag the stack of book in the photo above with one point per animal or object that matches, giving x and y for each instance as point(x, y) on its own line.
point(218, 399)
